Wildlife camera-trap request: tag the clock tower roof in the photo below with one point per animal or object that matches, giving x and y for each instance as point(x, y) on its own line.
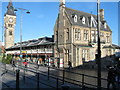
point(10, 9)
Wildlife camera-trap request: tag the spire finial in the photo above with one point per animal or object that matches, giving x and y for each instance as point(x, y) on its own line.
point(62, 3)
point(10, 8)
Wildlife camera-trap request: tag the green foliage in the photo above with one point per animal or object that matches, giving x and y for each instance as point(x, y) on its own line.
point(7, 59)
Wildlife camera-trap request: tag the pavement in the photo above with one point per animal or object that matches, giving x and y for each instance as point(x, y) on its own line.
point(9, 79)
point(30, 80)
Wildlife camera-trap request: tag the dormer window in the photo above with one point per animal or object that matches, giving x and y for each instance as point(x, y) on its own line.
point(105, 25)
point(83, 20)
point(73, 15)
point(75, 18)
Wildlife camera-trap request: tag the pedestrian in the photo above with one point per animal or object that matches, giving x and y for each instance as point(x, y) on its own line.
point(13, 61)
point(38, 63)
point(58, 63)
point(25, 63)
point(111, 77)
point(69, 64)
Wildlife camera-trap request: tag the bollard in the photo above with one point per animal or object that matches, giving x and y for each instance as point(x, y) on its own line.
point(63, 75)
point(17, 79)
point(38, 81)
point(48, 72)
point(57, 83)
point(83, 81)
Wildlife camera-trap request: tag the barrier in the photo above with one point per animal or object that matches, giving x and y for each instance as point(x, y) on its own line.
point(63, 79)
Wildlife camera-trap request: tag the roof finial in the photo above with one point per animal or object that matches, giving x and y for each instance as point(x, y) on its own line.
point(62, 3)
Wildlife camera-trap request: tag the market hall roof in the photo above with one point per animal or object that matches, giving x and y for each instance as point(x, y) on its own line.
point(34, 42)
point(85, 19)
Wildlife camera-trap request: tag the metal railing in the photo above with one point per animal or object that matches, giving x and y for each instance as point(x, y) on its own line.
point(59, 80)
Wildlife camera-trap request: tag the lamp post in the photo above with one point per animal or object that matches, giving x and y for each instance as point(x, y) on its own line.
point(21, 19)
point(99, 48)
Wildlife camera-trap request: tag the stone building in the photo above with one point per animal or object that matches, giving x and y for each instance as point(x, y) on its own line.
point(9, 23)
point(75, 36)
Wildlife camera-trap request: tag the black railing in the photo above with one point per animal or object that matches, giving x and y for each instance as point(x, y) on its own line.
point(59, 79)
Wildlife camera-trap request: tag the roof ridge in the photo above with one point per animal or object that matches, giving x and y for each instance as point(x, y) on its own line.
point(80, 11)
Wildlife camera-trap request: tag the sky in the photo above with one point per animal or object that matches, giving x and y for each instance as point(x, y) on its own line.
point(41, 20)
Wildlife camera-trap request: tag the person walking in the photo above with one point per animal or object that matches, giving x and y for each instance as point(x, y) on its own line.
point(111, 78)
point(38, 63)
point(13, 62)
point(25, 64)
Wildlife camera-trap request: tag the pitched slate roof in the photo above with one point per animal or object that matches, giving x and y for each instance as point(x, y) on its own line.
point(88, 17)
point(34, 42)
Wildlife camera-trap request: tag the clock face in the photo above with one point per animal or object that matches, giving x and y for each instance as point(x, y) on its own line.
point(10, 19)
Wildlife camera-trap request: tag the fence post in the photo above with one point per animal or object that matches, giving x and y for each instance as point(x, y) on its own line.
point(24, 75)
point(63, 75)
point(118, 79)
point(83, 81)
point(38, 80)
point(17, 79)
point(57, 84)
point(48, 72)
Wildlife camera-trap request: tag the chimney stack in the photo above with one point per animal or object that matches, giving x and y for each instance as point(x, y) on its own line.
point(102, 14)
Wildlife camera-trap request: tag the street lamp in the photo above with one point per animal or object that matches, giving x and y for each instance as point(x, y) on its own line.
point(99, 48)
point(3, 27)
point(21, 18)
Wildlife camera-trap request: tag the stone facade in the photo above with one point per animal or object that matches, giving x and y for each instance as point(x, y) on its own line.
point(75, 36)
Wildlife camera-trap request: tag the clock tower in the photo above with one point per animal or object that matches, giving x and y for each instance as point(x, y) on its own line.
point(9, 23)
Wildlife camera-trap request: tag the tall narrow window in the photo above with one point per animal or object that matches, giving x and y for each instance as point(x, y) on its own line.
point(93, 36)
point(85, 34)
point(102, 37)
point(77, 34)
point(107, 38)
point(85, 54)
point(67, 34)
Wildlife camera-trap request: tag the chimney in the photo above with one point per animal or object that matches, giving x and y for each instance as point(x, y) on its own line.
point(102, 14)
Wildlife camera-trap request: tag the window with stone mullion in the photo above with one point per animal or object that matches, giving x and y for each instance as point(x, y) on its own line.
point(77, 34)
point(107, 37)
point(85, 34)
